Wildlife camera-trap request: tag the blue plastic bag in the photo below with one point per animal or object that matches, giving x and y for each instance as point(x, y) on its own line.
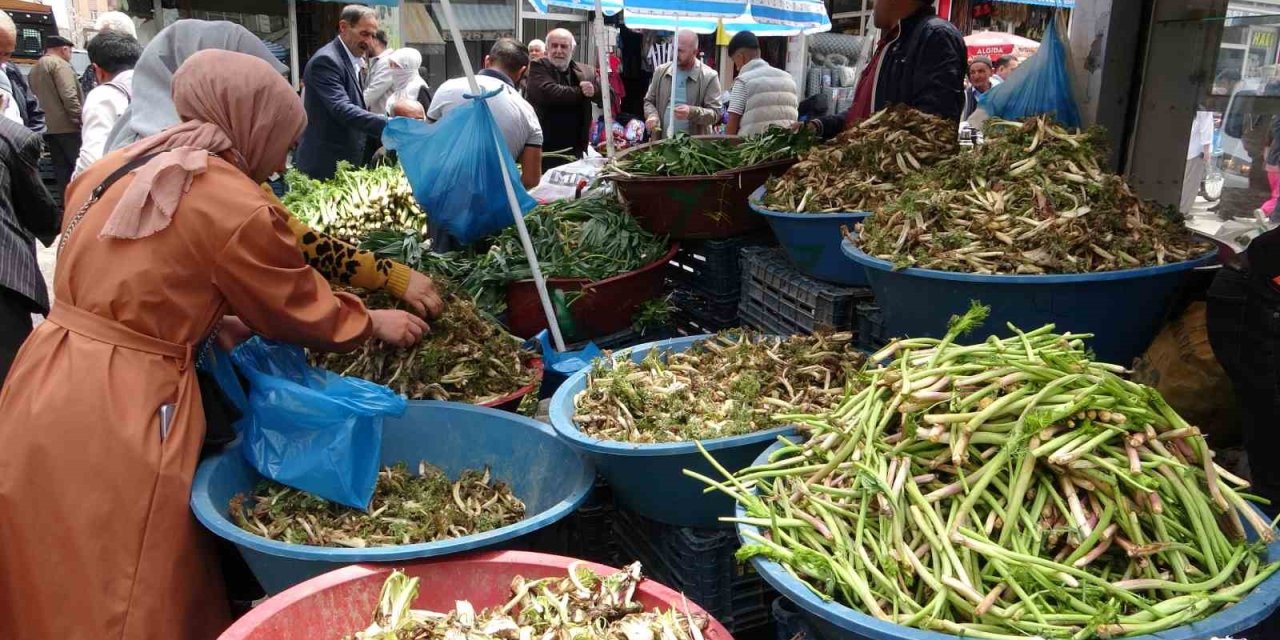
point(1041, 85)
point(455, 169)
point(309, 428)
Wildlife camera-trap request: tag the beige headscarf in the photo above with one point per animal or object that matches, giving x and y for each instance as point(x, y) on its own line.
point(228, 102)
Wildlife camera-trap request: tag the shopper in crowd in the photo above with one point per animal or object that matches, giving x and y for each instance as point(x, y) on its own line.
point(561, 92)
point(980, 75)
point(1199, 152)
point(55, 85)
point(694, 89)
point(112, 57)
point(153, 111)
point(108, 22)
point(921, 63)
point(537, 50)
point(1266, 212)
point(762, 96)
point(406, 80)
point(1004, 66)
point(377, 82)
point(182, 236)
point(27, 213)
point(505, 65)
point(19, 91)
point(339, 124)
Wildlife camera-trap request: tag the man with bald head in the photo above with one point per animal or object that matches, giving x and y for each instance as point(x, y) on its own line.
point(693, 87)
point(561, 91)
point(18, 90)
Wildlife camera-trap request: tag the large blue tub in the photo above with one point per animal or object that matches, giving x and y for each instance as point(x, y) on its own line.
point(812, 241)
point(1123, 309)
point(648, 479)
point(835, 621)
point(549, 476)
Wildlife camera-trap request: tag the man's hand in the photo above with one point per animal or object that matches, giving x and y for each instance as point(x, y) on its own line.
point(588, 89)
point(398, 328)
point(231, 332)
point(410, 109)
point(421, 294)
point(682, 112)
point(652, 123)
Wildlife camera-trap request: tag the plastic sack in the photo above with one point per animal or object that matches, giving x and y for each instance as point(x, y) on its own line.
point(1041, 85)
point(561, 183)
point(455, 169)
point(309, 428)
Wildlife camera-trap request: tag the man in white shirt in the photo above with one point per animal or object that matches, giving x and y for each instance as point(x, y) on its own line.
point(378, 86)
point(113, 55)
point(505, 65)
point(1199, 150)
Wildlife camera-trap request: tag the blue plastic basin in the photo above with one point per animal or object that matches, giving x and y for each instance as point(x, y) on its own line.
point(549, 476)
point(1123, 309)
point(812, 241)
point(648, 479)
point(836, 621)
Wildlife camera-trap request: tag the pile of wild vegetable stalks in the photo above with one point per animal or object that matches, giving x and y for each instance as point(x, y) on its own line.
point(1005, 489)
point(406, 509)
point(355, 202)
point(591, 238)
point(685, 155)
point(730, 384)
point(465, 358)
point(582, 604)
point(1033, 199)
point(865, 166)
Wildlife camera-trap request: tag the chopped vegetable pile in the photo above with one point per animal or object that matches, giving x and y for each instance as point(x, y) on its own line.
point(465, 357)
point(355, 202)
point(1005, 489)
point(685, 155)
point(592, 238)
point(1033, 199)
point(406, 509)
point(866, 164)
point(730, 384)
point(579, 606)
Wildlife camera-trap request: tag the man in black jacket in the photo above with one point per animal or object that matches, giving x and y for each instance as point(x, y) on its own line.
point(27, 213)
point(919, 62)
point(28, 106)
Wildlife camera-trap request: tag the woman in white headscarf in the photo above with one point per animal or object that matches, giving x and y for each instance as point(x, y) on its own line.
point(407, 83)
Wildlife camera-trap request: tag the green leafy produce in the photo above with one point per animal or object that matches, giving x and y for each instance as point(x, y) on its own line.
point(465, 357)
point(865, 166)
point(355, 202)
point(685, 155)
point(583, 605)
point(730, 384)
point(406, 509)
point(591, 238)
point(1005, 489)
point(1034, 199)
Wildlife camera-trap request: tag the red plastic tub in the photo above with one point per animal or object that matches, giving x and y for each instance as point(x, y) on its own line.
point(341, 602)
point(511, 401)
point(605, 307)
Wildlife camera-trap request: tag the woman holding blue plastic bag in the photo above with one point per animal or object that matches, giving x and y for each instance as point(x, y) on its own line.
point(161, 239)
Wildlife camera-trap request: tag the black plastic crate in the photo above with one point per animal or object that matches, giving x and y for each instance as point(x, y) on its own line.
point(871, 333)
point(790, 300)
point(587, 533)
point(713, 266)
point(790, 623)
point(699, 563)
point(707, 312)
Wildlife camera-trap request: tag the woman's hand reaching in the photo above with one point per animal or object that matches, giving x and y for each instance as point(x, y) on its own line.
point(398, 328)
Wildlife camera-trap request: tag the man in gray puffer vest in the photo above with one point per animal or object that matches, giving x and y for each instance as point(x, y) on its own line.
point(762, 96)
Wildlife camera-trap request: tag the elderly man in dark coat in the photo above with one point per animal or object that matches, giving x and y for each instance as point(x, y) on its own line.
point(562, 91)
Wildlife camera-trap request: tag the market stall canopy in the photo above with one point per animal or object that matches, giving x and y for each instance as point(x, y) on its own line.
point(1061, 4)
point(809, 15)
point(994, 44)
point(652, 22)
point(383, 3)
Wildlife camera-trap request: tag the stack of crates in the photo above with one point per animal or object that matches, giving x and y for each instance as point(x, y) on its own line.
point(699, 563)
point(706, 281)
point(778, 299)
point(586, 534)
point(48, 178)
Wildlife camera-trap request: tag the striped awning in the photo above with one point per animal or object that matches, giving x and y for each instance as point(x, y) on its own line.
point(1061, 4)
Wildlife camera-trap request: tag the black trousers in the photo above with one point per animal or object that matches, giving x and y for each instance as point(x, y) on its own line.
point(15, 326)
point(65, 149)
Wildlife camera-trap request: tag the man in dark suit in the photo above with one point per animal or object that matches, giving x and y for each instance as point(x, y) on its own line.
point(339, 124)
point(27, 213)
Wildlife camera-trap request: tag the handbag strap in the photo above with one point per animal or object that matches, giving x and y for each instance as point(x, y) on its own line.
point(97, 192)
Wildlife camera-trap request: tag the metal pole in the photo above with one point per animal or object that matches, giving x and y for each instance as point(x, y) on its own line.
point(538, 280)
point(675, 69)
point(606, 92)
point(295, 64)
